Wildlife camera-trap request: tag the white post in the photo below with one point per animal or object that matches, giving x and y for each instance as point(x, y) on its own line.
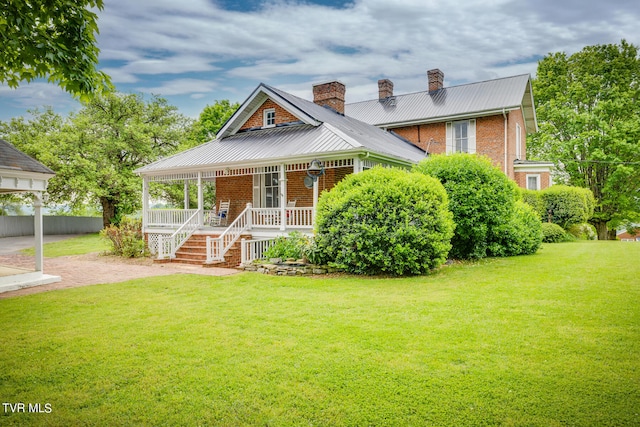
point(283, 197)
point(186, 194)
point(243, 251)
point(249, 218)
point(38, 230)
point(145, 202)
point(315, 200)
point(200, 200)
point(357, 165)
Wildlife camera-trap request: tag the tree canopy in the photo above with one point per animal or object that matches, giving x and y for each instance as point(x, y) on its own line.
point(588, 109)
point(211, 119)
point(54, 39)
point(95, 151)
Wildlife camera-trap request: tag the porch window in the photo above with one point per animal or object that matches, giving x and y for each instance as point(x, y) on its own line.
point(272, 190)
point(533, 182)
point(269, 117)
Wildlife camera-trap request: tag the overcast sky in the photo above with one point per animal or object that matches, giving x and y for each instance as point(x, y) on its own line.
point(194, 52)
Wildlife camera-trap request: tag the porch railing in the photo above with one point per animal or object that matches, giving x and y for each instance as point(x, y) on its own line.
point(217, 247)
point(272, 217)
point(168, 217)
point(254, 249)
point(173, 217)
point(168, 245)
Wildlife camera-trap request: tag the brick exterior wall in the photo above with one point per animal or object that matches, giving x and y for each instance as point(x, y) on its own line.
point(257, 118)
point(521, 179)
point(239, 189)
point(489, 138)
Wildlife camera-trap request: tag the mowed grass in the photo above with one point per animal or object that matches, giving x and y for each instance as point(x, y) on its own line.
point(551, 339)
point(82, 244)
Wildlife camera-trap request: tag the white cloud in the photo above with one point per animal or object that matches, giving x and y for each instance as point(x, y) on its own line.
point(197, 48)
point(180, 87)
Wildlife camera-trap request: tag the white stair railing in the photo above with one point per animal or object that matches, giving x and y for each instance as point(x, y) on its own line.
point(217, 247)
point(254, 249)
point(168, 245)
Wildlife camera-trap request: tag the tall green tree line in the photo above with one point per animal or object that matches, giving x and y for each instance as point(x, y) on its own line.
point(588, 108)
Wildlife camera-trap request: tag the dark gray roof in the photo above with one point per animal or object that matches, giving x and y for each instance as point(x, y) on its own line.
point(448, 103)
point(13, 159)
point(321, 131)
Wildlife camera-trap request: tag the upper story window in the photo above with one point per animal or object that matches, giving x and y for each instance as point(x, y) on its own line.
point(269, 117)
point(461, 136)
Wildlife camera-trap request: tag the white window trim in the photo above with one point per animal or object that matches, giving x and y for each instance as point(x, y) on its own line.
point(537, 177)
point(518, 142)
point(265, 115)
point(471, 136)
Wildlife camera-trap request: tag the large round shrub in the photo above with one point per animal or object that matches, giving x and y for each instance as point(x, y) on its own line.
point(568, 205)
point(521, 235)
point(384, 221)
point(481, 198)
point(553, 233)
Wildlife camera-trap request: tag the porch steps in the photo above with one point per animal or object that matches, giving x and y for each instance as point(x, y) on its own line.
point(194, 251)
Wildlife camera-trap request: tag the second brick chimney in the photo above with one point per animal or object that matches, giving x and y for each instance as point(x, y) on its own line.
point(436, 79)
point(385, 88)
point(330, 95)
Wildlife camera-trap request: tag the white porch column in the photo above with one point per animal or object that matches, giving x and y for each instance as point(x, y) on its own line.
point(38, 230)
point(200, 200)
point(357, 165)
point(186, 194)
point(283, 197)
point(145, 202)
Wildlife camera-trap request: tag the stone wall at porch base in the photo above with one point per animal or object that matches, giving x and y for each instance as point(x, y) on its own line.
point(288, 269)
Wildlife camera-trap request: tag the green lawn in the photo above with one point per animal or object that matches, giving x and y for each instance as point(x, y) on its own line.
point(551, 339)
point(82, 244)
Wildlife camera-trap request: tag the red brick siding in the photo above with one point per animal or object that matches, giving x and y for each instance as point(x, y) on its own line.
point(297, 191)
point(521, 179)
point(257, 119)
point(238, 189)
point(489, 138)
point(420, 135)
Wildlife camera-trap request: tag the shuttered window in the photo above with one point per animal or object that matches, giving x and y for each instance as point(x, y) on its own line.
point(461, 136)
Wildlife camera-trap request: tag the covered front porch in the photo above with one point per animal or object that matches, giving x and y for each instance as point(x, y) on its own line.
point(264, 202)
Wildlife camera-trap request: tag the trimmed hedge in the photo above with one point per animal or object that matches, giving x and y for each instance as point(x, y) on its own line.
point(521, 235)
point(384, 221)
point(483, 202)
point(569, 205)
point(553, 233)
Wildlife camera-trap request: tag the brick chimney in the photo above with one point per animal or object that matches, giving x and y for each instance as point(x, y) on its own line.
point(436, 79)
point(330, 95)
point(385, 88)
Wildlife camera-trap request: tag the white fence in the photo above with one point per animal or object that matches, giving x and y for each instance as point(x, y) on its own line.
point(14, 226)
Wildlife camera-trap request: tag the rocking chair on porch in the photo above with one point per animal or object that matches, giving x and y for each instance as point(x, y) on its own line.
point(221, 217)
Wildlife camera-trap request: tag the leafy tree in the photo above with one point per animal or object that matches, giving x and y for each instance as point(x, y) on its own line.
point(54, 38)
point(588, 109)
point(211, 119)
point(95, 152)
